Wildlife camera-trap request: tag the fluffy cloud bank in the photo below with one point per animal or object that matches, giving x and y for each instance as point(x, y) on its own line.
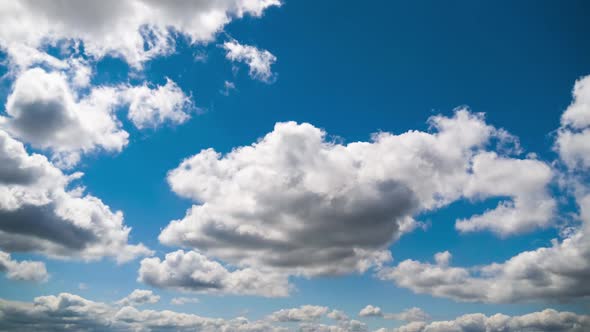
point(298, 203)
point(546, 320)
point(24, 270)
point(192, 271)
point(40, 214)
point(69, 312)
point(135, 30)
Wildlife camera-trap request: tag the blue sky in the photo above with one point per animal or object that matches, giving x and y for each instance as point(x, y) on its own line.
point(348, 69)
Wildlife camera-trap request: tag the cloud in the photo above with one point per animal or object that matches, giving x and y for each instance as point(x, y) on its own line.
point(371, 311)
point(139, 297)
point(337, 315)
point(556, 272)
point(151, 108)
point(551, 273)
point(135, 30)
point(69, 312)
point(192, 271)
point(574, 134)
point(259, 61)
point(23, 270)
point(298, 203)
point(43, 111)
point(46, 112)
point(183, 300)
point(41, 214)
point(304, 313)
point(546, 320)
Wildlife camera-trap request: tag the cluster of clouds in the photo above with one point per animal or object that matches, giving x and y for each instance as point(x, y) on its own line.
point(69, 312)
point(54, 107)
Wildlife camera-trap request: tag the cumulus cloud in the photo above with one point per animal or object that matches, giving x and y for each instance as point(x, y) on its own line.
point(298, 203)
point(139, 297)
point(46, 112)
point(69, 312)
point(43, 111)
point(259, 61)
point(135, 30)
point(370, 311)
point(556, 272)
point(41, 214)
point(304, 313)
point(192, 271)
point(23, 270)
point(549, 273)
point(153, 107)
point(546, 320)
point(343, 326)
point(574, 134)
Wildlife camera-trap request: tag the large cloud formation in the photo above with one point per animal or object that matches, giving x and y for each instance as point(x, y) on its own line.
point(558, 272)
point(135, 30)
point(69, 312)
point(40, 214)
point(298, 203)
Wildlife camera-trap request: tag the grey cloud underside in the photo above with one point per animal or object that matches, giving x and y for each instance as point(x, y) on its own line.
point(41, 222)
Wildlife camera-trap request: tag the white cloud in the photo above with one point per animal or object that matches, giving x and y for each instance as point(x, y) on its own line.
point(304, 313)
point(152, 107)
point(44, 111)
point(547, 320)
point(573, 137)
point(23, 270)
point(337, 315)
point(192, 271)
point(371, 310)
point(119, 28)
point(259, 61)
point(298, 203)
point(40, 213)
point(139, 297)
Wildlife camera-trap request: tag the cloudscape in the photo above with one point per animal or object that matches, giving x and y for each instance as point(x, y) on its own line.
point(282, 165)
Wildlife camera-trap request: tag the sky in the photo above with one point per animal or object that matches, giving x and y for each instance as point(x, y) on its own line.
point(280, 165)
